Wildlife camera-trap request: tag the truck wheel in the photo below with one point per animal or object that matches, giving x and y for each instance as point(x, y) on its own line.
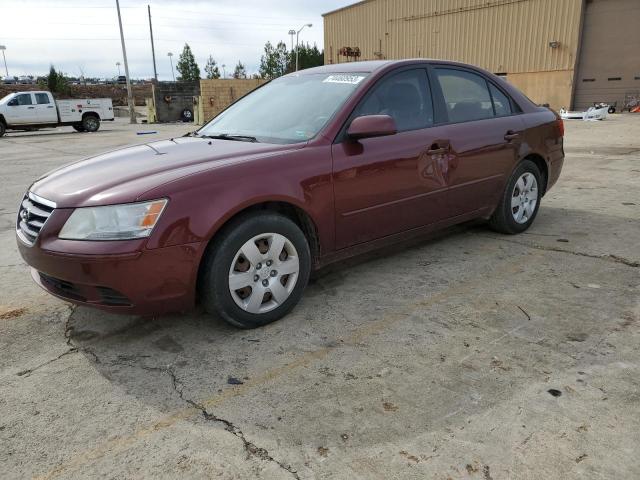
point(78, 128)
point(91, 123)
point(187, 115)
point(3, 129)
point(612, 110)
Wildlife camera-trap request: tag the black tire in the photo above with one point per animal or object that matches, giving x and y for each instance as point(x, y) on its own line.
point(78, 128)
point(90, 123)
point(3, 128)
point(503, 220)
point(612, 110)
point(215, 294)
point(186, 115)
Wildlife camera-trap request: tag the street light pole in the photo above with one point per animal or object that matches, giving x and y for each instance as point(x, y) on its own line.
point(171, 61)
point(3, 48)
point(224, 71)
point(292, 33)
point(297, 45)
point(132, 112)
point(118, 65)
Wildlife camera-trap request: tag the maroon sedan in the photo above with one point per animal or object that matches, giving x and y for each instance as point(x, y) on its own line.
point(312, 167)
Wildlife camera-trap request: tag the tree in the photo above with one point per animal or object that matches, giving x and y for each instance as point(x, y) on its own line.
point(240, 71)
point(211, 68)
point(274, 61)
point(308, 57)
point(52, 79)
point(187, 66)
point(55, 82)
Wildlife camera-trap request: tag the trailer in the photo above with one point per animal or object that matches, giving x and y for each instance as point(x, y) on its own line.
point(38, 109)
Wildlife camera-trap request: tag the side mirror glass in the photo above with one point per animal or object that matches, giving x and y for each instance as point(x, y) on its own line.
point(369, 126)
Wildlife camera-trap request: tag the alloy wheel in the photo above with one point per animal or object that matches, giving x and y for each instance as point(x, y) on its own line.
point(524, 198)
point(263, 273)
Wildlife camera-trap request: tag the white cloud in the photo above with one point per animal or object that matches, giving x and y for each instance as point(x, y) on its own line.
point(83, 35)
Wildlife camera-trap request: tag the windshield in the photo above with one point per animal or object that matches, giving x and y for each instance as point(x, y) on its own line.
point(289, 109)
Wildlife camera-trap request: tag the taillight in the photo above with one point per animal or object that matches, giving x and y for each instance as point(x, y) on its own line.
point(561, 127)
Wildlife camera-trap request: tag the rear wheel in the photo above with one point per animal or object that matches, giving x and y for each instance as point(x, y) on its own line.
point(78, 128)
point(91, 123)
point(520, 201)
point(256, 272)
point(3, 129)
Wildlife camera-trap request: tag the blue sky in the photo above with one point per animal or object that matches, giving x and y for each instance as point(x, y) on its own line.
point(83, 36)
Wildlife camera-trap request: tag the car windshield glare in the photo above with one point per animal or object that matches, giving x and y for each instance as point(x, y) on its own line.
point(290, 109)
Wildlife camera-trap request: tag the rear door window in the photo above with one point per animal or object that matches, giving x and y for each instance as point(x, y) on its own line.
point(466, 95)
point(405, 97)
point(42, 98)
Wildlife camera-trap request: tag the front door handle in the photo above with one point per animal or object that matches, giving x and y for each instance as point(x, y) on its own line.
point(31, 108)
point(511, 135)
point(438, 148)
point(50, 106)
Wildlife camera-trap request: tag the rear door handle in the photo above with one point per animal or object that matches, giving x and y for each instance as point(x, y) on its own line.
point(50, 106)
point(511, 135)
point(31, 108)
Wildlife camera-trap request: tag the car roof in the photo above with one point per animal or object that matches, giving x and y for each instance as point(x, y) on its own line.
point(369, 66)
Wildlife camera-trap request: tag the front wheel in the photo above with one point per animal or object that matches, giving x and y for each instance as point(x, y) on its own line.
point(520, 201)
point(256, 272)
point(78, 128)
point(3, 129)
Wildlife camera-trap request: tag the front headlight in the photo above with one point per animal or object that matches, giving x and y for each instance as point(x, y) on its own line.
point(113, 222)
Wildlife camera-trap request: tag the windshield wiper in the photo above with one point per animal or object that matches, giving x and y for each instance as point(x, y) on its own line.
point(228, 136)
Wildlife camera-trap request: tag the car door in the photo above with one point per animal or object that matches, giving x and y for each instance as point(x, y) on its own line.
point(45, 109)
point(485, 137)
point(390, 184)
point(21, 109)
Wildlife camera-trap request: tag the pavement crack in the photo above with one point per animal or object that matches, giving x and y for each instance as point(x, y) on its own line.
point(610, 257)
point(250, 447)
point(29, 371)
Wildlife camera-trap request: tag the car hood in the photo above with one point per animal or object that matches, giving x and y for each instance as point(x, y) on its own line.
point(123, 175)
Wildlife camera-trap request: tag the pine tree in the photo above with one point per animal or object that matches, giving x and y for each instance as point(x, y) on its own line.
point(240, 71)
point(211, 68)
point(52, 79)
point(187, 66)
point(274, 61)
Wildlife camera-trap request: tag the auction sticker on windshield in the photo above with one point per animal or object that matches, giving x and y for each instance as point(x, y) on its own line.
point(350, 79)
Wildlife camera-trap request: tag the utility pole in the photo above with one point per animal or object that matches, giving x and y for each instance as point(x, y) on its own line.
point(3, 48)
point(132, 112)
point(171, 61)
point(153, 50)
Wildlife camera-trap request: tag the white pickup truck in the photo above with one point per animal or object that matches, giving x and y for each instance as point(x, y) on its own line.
point(33, 110)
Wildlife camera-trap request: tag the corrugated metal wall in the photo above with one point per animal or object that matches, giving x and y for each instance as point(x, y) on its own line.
point(499, 35)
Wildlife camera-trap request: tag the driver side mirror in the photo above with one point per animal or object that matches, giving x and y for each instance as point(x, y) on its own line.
point(369, 126)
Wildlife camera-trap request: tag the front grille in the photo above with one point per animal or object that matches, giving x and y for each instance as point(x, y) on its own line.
point(32, 215)
point(109, 296)
point(62, 287)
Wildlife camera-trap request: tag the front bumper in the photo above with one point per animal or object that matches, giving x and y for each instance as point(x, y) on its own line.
point(142, 282)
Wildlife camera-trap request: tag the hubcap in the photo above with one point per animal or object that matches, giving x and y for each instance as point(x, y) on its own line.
point(263, 273)
point(524, 198)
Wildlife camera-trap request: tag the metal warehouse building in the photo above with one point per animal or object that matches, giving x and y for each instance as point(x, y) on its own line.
point(567, 53)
